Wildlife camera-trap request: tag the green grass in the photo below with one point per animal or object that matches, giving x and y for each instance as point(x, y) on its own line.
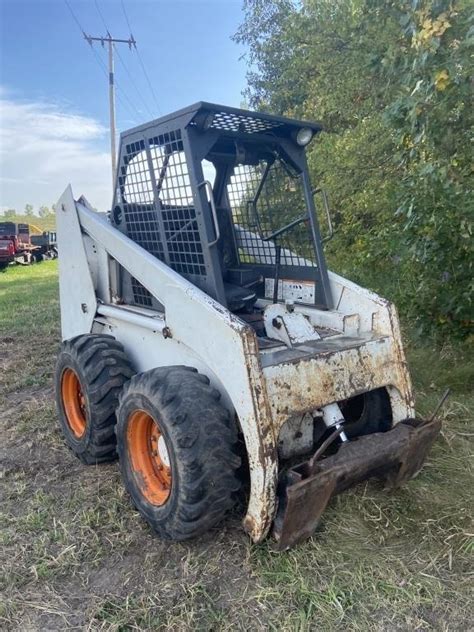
point(29, 325)
point(75, 555)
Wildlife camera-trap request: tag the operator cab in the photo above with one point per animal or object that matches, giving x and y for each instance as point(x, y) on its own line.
point(223, 196)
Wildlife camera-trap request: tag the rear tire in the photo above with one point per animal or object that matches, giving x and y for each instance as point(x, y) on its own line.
point(90, 373)
point(177, 446)
point(367, 413)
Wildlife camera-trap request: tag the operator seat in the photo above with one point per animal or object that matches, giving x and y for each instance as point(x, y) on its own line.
point(239, 296)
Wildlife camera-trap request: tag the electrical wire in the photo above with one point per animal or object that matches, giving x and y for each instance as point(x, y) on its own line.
point(126, 16)
point(121, 95)
point(150, 85)
point(132, 81)
point(101, 16)
point(119, 56)
point(74, 17)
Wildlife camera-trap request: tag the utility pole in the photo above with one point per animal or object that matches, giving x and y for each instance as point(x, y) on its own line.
point(111, 41)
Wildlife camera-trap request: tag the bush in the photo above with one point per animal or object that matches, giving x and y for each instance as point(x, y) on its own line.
point(391, 81)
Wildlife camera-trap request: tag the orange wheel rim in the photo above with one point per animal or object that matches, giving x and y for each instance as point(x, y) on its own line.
point(149, 457)
point(74, 402)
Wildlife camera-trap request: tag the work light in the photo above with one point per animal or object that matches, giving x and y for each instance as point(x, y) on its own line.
point(304, 135)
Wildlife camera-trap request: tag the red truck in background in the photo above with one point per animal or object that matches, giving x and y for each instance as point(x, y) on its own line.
point(17, 246)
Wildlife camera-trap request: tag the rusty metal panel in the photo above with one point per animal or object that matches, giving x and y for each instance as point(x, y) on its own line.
point(332, 375)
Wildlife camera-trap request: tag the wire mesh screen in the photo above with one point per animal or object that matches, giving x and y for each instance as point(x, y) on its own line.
point(183, 241)
point(158, 206)
point(136, 189)
point(264, 198)
point(135, 180)
point(181, 231)
point(138, 200)
point(140, 294)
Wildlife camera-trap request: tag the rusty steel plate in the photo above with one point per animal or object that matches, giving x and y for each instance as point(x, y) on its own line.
point(304, 491)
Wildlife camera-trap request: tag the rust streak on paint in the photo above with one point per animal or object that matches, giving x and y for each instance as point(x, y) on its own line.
point(317, 380)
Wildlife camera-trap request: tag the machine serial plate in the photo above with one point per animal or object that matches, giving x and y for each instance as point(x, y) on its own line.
point(288, 289)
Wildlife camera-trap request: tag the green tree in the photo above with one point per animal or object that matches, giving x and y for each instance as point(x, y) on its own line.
point(29, 210)
point(9, 213)
point(433, 117)
point(44, 211)
point(390, 81)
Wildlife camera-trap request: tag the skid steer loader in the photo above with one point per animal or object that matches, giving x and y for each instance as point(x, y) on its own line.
point(206, 342)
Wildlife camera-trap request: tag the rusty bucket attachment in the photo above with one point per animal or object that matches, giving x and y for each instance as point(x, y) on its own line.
point(304, 491)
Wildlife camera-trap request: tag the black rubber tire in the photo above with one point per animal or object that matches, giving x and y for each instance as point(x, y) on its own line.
point(102, 368)
point(201, 438)
point(367, 413)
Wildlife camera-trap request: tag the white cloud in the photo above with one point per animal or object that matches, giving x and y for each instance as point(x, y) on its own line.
point(43, 148)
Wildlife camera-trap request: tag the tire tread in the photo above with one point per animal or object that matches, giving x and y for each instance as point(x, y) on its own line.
point(103, 369)
point(204, 442)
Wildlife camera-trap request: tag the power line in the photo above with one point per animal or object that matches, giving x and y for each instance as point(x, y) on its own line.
point(126, 16)
point(101, 16)
point(150, 85)
point(74, 16)
point(132, 81)
point(129, 106)
point(111, 41)
point(121, 94)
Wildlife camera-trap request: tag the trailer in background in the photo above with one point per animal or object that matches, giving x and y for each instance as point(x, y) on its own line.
point(46, 245)
point(18, 246)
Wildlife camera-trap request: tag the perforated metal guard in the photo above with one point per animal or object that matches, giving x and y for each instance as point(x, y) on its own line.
point(230, 122)
point(280, 202)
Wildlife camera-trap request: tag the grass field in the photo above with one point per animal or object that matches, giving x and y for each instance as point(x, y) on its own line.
point(75, 554)
point(37, 224)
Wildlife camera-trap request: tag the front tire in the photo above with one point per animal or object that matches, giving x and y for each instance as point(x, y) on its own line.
point(177, 447)
point(91, 370)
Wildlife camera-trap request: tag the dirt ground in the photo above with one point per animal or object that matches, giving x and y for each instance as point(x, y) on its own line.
point(75, 555)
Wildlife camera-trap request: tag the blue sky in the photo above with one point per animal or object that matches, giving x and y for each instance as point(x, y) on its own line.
point(53, 91)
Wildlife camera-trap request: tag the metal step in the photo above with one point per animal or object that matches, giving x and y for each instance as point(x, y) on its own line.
point(311, 348)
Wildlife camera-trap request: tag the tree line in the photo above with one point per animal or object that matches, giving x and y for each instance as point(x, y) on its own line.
point(392, 82)
point(43, 212)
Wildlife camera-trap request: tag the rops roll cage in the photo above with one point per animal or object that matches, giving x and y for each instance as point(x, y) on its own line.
point(192, 240)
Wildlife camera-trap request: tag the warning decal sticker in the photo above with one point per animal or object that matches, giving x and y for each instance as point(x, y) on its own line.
point(289, 290)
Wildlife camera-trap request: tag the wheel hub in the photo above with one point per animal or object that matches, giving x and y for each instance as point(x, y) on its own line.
point(74, 402)
point(149, 457)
